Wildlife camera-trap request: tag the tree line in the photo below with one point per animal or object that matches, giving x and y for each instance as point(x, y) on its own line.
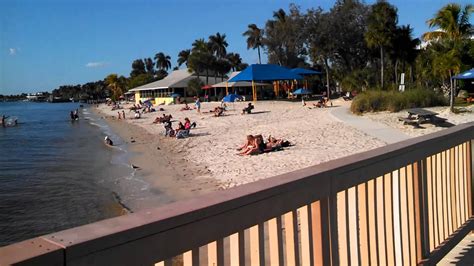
point(358, 46)
point(206, 58)
point(361, 46)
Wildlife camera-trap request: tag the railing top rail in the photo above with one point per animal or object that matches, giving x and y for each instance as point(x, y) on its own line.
point(255, 202)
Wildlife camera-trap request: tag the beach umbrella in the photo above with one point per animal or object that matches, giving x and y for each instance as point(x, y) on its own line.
point(231, 98)
point(301, 91)
point(465, 75)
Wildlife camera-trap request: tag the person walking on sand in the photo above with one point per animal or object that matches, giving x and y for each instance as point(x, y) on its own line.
point(198, 104)
point(119, 115)
point(123, 114)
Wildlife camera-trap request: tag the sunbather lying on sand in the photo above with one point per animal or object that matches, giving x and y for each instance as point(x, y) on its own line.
point(218, 111)
point(256, 145)
point(164, 118)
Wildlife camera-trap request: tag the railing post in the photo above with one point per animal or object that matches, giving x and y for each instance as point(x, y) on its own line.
point(332, 230)
point(421, 209)
point(470, 176)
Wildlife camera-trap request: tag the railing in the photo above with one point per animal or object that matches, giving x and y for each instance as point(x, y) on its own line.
point(406, 203)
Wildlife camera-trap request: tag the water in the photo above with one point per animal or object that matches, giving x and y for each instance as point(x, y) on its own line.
point(57, 174)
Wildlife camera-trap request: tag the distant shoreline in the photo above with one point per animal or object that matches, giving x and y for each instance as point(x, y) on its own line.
point(158, 164)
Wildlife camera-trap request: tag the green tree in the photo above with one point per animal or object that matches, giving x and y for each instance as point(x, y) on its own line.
point(218, 45)
point(194, 87)
point(183, 57)
point(201, 58)
point(453, 31)
point(163, 62)
point(116, 84)
point(234, 60)
point(382, 22)
point(149, 66)
point(403, 49)
point(138, 67)
point(284, 40)
point(254, 38)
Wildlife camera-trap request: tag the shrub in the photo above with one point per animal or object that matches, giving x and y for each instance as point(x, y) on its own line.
point(394, 101)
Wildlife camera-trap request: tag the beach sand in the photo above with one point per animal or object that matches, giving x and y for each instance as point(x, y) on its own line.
point(208, 159)
point(391, 119)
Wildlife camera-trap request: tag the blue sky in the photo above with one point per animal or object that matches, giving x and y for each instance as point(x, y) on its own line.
point(47, 43)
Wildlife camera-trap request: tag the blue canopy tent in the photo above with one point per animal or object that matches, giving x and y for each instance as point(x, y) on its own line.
point(305, 72)
point(264, 72)
point(301, 91)
point(465, 75)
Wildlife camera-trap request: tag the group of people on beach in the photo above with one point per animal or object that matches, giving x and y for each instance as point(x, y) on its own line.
point(255, 144)
point(121, 115)
point(182, 131)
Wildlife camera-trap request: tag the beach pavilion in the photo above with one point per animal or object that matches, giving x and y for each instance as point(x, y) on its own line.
point(162, 91)
point(238, 87)
point(264, 72)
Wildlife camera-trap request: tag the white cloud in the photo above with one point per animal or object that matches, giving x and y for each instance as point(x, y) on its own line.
point(13, 51)
point(96, 64)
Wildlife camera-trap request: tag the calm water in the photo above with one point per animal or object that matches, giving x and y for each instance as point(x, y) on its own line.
point(55, 174)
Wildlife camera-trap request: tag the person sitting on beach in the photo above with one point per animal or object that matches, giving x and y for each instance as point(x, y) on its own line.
point(186, 107)
point(248, 109)
point(108, 141)
point(248, 143)
point(137, 115)
point(178, 129)
point(258, 146)
point(169, 131)
point(218, 111)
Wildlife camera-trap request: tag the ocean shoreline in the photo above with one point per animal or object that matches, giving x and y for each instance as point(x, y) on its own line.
point(170, 176)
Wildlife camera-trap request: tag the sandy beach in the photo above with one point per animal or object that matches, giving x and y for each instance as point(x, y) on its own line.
point(208, 159)
point(391, 120)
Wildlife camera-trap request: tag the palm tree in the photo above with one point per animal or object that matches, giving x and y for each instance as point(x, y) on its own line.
point(403, 48)
point(254, 38)
point(382, 23)
point(280, 15)
point(163, 62)
point(453, 23)
point(454, 28)
point(235, 60)
point(183, 57)
point(201, 58)
point(218, 45)
point(200, 45)
point(115, 84)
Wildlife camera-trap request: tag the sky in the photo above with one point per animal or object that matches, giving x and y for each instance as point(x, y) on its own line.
point(48, 43)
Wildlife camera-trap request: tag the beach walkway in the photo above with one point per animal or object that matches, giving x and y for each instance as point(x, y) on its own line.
point(378, 130)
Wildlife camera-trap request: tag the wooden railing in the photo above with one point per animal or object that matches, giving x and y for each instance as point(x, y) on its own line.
point(406, 203)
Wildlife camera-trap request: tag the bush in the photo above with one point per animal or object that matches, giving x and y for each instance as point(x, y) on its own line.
point(394, 101)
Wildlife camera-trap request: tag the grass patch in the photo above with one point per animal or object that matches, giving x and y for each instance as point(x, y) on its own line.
point(394, 101)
